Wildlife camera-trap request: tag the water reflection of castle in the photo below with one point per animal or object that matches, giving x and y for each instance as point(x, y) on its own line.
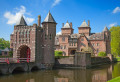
point(63, 75)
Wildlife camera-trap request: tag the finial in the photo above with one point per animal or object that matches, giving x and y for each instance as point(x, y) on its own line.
point(84, 20)
point(49, 11)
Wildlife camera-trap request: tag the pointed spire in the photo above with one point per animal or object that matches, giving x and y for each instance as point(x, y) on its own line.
point(22, 21)
point(84, 24)
point(105, 29)
point(49, 18)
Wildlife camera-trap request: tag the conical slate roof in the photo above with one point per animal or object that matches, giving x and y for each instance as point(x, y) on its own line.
point(67, 25)
point(22, 21)
point(105, 29)
point(49, 18)
point(84, 24)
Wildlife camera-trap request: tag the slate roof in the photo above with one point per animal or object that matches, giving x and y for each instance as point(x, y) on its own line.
point(6, 50)
point(22, 21)
point(67, 25)
point(75, 35)
point(84, 24)
point(49, 18)
point(97, 36)
point(105, 29)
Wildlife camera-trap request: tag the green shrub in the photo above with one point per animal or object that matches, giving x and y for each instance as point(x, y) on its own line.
point(11, 53)
point(102, 54)
point(58, 53)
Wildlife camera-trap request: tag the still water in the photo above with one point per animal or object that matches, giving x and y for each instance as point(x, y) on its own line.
point(97, 74)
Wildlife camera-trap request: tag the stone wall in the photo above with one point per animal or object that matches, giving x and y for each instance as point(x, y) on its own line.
point(100, 60)
point(81, 60)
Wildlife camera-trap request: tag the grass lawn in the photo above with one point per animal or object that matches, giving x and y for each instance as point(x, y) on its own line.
point(117, 79)
point(118, 58)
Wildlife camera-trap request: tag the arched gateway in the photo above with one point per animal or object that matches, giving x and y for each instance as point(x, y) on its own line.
point(23, 52)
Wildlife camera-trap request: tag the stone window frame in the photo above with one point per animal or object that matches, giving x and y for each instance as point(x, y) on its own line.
point(64, 46)
point(74, 43)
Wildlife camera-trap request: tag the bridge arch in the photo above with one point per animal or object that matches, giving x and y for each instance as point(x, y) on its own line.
point(18, 69)
point(23, 52)
point(34, 68)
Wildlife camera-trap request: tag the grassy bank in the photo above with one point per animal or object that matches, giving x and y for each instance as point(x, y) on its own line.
point(117, 79)
point(117, 59)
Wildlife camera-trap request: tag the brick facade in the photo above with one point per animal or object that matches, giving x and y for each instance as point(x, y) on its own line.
point(69, 43)
point(36, 38)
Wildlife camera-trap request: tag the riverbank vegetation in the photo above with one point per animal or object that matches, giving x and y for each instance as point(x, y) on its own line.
point(117, 79)
point(4, 43)
point(115, 40)
point(102, 54)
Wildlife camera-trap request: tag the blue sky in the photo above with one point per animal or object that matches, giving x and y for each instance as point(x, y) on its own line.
point(101, 13)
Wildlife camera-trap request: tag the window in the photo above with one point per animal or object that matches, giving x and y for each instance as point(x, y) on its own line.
point(69, 44)
point(50, 36)
point(97, 50)
point(61, 47)
point(5, 53)
point(82, 39)
point(64, 46)
point(93, 44)
point(63, 39)
point(45, 36)
point(97, 44)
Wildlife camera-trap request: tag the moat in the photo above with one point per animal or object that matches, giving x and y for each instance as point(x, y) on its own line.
point(96, 74)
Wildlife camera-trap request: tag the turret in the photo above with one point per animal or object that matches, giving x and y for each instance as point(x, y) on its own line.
point(67, 29)
point(49, 33)
point(84, 28)
point(22, 22)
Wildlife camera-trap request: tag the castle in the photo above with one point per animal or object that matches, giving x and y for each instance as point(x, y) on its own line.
point(69, 43)
point(39, 41)
point(36, 41)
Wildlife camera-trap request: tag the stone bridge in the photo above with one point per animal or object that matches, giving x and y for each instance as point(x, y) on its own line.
point(24, 67)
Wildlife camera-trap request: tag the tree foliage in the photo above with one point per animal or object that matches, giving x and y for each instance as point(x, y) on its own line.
point(115, 40)
point(4, 43)
point(102, 54)
point(58, 53)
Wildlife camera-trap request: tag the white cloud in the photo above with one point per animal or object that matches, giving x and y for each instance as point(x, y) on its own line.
point(56, 2)
point(59, 33)
point(113, 24)
point(14, 18)
point(116, 10)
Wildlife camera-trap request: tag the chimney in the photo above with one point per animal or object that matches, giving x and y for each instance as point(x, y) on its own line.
point(62, 24)
point(39, 20)
point(71, 24)
point(88, 22)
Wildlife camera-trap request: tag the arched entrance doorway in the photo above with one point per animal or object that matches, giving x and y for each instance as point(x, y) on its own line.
point(24, 52)
point(72, 52)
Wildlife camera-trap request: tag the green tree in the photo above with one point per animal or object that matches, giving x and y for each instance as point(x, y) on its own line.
point(58, 53)
point(115, 40)
point(102, 54)
point(4, 43)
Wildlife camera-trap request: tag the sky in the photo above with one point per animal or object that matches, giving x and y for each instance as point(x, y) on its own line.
point(101, 13)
